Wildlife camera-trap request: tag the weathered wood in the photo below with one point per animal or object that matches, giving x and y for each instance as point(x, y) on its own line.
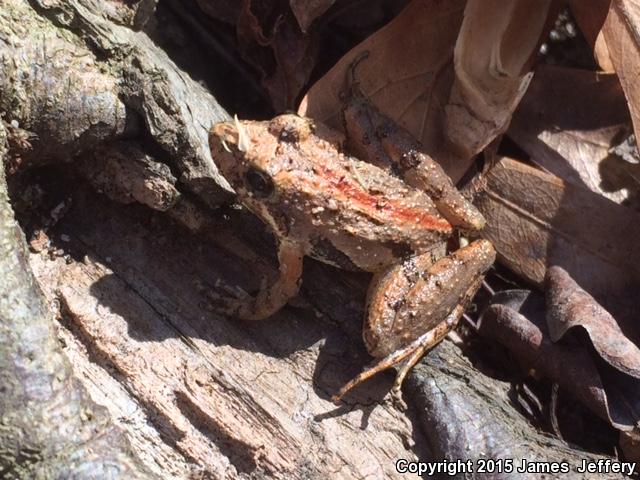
point(475, 418)
point(49, 427)
point(76, 77)
point(204, 391)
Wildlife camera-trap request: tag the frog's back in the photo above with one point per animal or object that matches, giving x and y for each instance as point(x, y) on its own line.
point(292, 174)
point(365, 213)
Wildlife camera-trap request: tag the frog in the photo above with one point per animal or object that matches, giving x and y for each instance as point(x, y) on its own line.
point(391, 213)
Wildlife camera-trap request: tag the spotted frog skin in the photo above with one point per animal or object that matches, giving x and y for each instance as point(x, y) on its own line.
point(321, 202)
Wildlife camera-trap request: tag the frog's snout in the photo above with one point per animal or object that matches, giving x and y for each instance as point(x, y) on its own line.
point(224, 133)
point(232, 134)
point(223, 138)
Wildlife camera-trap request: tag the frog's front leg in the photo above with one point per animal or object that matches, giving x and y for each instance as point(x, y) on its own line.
point(413, 306)
point(272, 298)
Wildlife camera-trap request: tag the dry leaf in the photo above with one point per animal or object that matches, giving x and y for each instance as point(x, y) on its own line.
point(306, 11)
point(271, 40)
point(590, 17)
point(535, 220)
point(570, 366)
point(630, 445)
point(569, 306)
point(409, 74)
point(571, 137)
point(621, 32)
point(496, 40)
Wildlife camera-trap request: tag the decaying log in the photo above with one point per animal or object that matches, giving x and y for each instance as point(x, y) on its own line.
point(50, 428)
point(467, 407)
point(75, 78)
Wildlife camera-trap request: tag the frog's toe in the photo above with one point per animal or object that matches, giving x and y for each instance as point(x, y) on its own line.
point(458, 211)
point(410, 354)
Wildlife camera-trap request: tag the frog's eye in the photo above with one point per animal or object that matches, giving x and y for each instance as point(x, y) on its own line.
point(259, 182)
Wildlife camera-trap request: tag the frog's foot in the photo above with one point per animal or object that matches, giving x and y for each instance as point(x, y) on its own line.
point(439, 332)
point(411, 354)
point(354, 86)
point(271, 298)
point(421, 171)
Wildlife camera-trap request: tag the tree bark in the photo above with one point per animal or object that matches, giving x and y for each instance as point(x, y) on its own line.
point(50, 427)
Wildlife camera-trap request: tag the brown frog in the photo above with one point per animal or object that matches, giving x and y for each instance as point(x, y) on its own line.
point(319, 201)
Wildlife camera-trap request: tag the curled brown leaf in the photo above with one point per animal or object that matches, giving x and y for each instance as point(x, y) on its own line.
point(496, 41)
point(568, 365)
point(571, 137)
point(535, 220)
point(621, 32)
point(569, 306)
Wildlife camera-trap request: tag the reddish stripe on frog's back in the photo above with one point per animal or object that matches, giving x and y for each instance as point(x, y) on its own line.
point(355, 194)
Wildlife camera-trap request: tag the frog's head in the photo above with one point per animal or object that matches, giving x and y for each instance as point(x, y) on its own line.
point(251, 154)
point(238, 148)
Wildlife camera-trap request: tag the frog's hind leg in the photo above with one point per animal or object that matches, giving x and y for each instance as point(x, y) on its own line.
point(411, 354)
point(408, 302)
